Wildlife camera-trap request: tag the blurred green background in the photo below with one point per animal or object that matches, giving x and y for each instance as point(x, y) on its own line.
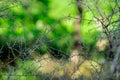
point(49, 24)
point(44, 19)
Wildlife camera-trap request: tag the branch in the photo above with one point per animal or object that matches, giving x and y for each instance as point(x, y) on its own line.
point(114, 62)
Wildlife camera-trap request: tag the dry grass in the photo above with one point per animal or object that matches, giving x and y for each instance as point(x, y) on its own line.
point(58, 68)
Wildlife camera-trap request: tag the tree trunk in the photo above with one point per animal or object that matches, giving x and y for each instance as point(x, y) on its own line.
point(75, 57)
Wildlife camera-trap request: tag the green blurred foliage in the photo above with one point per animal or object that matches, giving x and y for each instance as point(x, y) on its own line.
point(49, 20)
point(30, 20)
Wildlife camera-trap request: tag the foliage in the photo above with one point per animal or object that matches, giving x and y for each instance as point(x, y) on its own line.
point(30, 29)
